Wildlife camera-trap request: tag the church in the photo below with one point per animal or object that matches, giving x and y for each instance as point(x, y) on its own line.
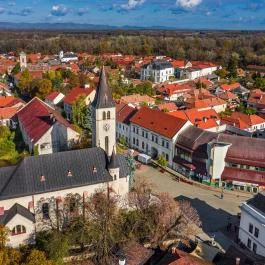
point(33, 192)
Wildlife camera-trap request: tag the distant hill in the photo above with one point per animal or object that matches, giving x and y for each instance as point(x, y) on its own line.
point(69, 26)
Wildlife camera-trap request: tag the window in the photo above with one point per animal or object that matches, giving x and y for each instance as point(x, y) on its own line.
point(163, 142)
point(108, 115)
point(107, 144)
point(142, 145)
point(146, 135)
point(249, 243)
point(250, 228)
point(72, 205)
point(115, 177)
point(167, 157)
point(19, 229)
point(142, 133)
point(256, 233)
point(167, 144)
point(255, 248)
point(137, 142)
point(133, 140)
point(104, 115)
point(45, 210)
point(153, 138)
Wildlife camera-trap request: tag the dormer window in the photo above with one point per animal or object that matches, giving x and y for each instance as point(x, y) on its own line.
point(42, 178)
point(69, 173)
point(94, 169)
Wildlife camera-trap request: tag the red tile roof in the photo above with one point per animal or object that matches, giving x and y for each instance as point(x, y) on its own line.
point(171, 89)
point(202, 64)
point(205, 103)
point(158, 122)
point(178, 63)
point(9, 101)
point(244, 175)
point(36, 120)
point(137, 98)
point(170, 106)
point(75, 93)
point(205, 119)
point(125, 113)
point(229, 86)
point(53, 95)
point(226, 95)
point(183, 258)
point(8, 113)
point(257, 97)
point(242, 120)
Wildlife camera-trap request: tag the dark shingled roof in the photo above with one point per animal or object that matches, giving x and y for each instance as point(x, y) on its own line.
point(103, 98)
point(159, 65)
point(16, 209)
point(195, 140)
point(244, 150)
point(258, 202)
point(114, 162)
point(25, 178)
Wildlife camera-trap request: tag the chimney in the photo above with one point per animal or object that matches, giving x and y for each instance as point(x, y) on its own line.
point(2, 211)
point(122, 261)
point(69, 173)
point(94, 169)
point(42, 178)
point(237, 261)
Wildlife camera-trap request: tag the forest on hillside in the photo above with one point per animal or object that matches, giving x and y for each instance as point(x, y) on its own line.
point(248, 47)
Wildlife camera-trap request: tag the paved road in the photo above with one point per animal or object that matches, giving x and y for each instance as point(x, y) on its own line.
point(214, 211)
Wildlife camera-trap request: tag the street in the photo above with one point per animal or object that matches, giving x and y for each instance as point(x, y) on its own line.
point(214, 211)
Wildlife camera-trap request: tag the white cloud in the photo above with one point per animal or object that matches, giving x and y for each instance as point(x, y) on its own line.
point(132, 4)
point(59, 10)
point(188, 3)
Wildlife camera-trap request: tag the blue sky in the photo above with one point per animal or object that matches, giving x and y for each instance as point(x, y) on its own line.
point(212, 14)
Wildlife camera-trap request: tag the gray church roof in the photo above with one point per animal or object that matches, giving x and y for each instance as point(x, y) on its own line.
point(16, 209)
point(57, 171)
point(103, 98)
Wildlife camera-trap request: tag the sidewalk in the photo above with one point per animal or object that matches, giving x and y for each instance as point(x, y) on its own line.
point(203, 186)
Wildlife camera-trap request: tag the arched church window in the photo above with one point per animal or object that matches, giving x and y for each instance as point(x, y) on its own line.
point(72, 205)
point(18, 229)
point(107, 144)
point(45, 210)
point(104, 115)
point(115, 177)
point(108, 115)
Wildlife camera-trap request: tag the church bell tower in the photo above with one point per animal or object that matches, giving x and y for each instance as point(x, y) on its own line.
point(103, 117)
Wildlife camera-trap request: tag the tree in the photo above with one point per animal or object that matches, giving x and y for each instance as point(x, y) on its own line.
point(37, 257)
point(25, 81)
point(79, 231)
point(4, 233)
point(43, 87)
point(103, 225)
point(87, 124)
point(58, 247)
point(161, 160)
point(73, 80)
point(10, 256)
point(16, 69)
point(8, 152)
point(79, 111)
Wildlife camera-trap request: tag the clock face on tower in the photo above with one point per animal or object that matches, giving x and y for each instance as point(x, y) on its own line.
point(106, 127)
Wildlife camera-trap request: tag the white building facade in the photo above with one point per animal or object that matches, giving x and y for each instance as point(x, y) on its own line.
point(157, 71)
point(252, 224)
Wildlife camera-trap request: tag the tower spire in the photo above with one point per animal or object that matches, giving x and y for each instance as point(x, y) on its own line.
point(103, 98)
point(114, 163)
